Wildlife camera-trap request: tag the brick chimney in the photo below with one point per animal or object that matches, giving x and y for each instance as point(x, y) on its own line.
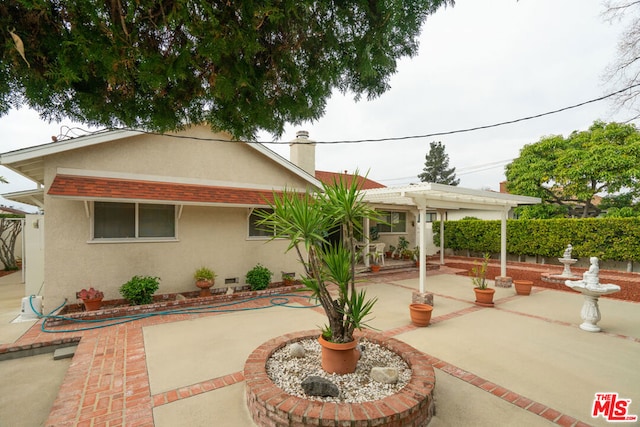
point(503, 187)
point(303, 152)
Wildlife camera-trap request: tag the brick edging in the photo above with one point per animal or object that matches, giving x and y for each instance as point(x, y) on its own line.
point(271, 406)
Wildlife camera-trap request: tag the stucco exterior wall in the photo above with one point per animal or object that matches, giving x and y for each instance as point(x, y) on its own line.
point(216, 237)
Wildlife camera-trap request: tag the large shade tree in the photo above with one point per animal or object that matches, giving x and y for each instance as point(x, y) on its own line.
point(572, 171)
point(242, 66)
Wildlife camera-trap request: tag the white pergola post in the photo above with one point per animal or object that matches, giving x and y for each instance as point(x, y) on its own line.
point(503, 243)
point(441, 213)
point(367, 237)
point(422, 261)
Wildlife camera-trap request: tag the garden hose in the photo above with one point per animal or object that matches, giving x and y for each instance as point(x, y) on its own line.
point(274, 301)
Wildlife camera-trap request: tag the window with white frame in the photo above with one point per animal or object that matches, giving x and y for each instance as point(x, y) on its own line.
point(114, 220)
point(257, 230)
point(393, 222)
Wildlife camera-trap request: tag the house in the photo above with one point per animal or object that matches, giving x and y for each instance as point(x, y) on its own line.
point(124, 203)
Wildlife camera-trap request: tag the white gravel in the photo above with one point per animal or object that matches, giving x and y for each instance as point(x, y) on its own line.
point(287, 372)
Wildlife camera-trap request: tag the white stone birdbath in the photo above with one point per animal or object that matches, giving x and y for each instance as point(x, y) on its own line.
point(567, 262)
point(592, 290)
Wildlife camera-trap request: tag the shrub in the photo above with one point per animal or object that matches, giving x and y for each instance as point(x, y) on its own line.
point(139, 290)
point(259, 277)
point(204, 273)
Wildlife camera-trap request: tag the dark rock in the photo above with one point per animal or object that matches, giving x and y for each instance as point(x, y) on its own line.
point(317, 386)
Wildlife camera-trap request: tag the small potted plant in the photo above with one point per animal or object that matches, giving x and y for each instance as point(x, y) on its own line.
point(375, 261)
point(484, 294)
point(205, 279)
point(416, 255)
point(390, 252)
point(287, 278)
point(91, 298)
point(403, 245)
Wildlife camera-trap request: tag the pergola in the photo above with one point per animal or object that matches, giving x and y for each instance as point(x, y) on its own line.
point(442, 198)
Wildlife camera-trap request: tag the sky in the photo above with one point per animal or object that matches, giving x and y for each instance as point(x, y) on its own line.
point(479, 63)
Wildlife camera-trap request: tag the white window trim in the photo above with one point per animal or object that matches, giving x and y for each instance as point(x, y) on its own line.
point(258, 238)
point(93, 240)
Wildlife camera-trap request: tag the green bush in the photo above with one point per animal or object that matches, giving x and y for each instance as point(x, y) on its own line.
point(259, 277)
point(139, 290)
point(607, 238)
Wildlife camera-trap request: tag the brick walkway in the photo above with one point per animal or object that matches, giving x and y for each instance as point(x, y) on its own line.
point(107, 383)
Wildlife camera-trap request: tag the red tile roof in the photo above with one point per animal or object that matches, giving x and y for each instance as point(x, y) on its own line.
point(111, 188)
point(331, 177)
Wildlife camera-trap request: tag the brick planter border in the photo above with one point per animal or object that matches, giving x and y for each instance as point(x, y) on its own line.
point(164, 302)
point(270, 406)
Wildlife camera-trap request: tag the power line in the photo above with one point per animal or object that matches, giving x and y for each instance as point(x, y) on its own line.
point(508, 122)
point(402, 138)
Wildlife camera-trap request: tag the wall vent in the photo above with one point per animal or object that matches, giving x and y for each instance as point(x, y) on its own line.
point(231, 280)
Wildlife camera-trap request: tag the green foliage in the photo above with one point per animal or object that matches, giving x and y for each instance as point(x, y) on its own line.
point(620, 206)
point(479, 273)
point(436, 166)
point(403, 244)
point(204, 273)
point(240, 66)
point(607, 238)
point(572, 171)
point(541, 211)
point(305, 220)
point(259, 277)
point(140, 289)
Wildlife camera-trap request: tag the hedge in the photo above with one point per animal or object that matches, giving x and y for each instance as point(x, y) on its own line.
point(616, 239)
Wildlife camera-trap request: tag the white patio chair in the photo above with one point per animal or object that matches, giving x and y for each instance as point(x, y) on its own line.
point(379, 253)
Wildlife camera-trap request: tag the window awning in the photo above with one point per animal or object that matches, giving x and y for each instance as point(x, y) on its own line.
point(114, 189)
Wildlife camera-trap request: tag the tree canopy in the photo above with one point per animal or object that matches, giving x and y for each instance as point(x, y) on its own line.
point(572, 171)
point(241, 66)
point(436, 166)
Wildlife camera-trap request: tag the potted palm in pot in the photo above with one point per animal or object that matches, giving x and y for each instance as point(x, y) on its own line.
point(306, 220)
point(484, 294)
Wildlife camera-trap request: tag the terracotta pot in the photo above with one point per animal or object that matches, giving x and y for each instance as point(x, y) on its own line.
point(339, 358)
point(204, 286)
point(484, 297)
point(420, 314)
point(92, 304)
point(523, 287)
point(375, 268)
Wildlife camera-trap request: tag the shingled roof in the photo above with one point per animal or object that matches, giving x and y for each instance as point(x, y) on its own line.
point(96, 188)
point(331, 177)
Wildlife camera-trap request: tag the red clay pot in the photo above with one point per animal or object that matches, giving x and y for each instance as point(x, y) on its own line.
point(375, 268)
point(523, 287)
point(92, 304)
point(339, 358)
point(204, 286)
point(420, 314)
point(484, 297)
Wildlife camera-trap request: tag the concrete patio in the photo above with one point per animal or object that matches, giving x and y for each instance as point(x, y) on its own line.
point(524, 362)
